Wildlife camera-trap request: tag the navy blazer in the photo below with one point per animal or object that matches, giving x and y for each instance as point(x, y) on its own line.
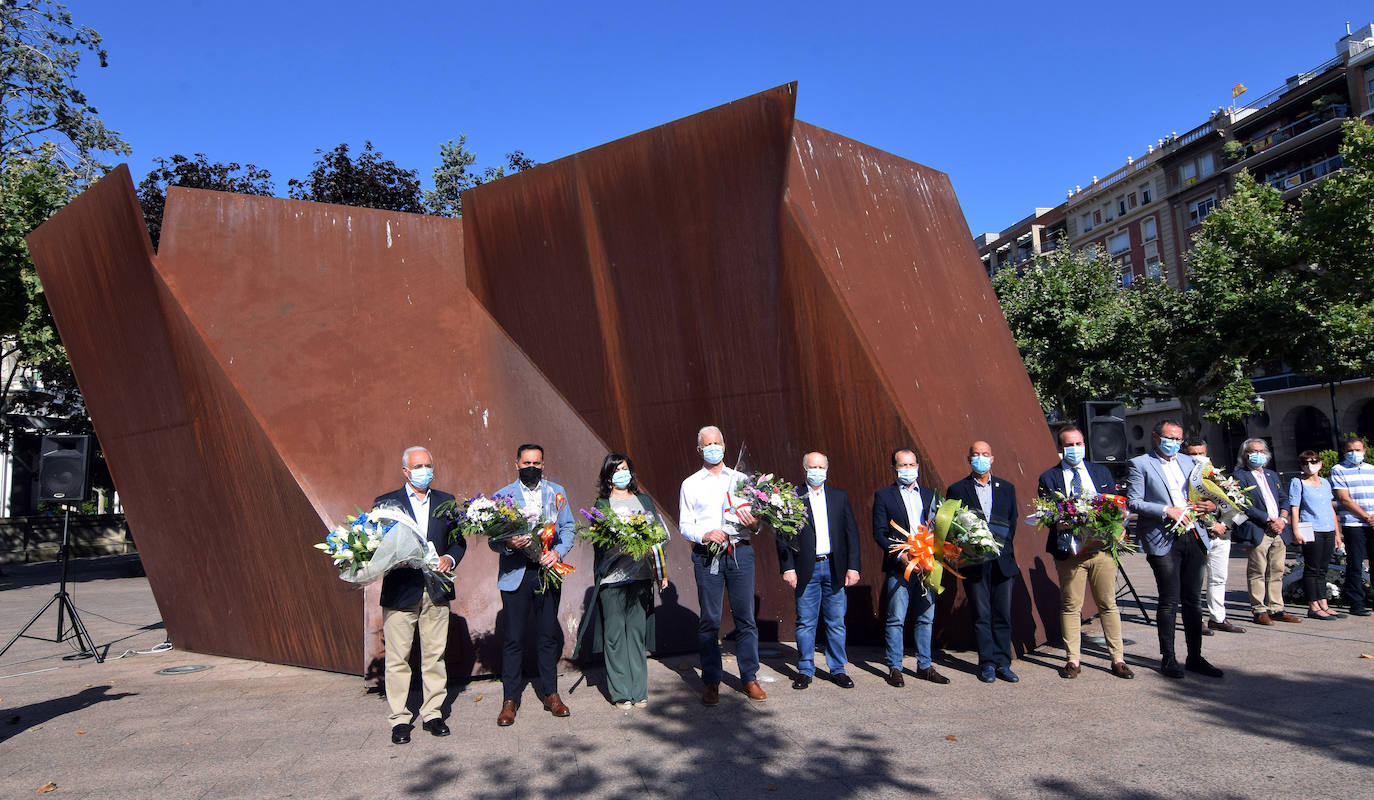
point(844, 540)
point(1251, 531)
point(888, 507)
point(403, 587)
point(1052, 480)
point(1002, 523)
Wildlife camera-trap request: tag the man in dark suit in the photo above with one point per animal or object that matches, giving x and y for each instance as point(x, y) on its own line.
point(824, 563)
point(989, 584)
point(907, 504)
point(1075, 477)
point(1263, 533)
point(409, 602)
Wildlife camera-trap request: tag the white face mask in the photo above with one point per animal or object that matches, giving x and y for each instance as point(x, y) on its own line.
point(1312, 469)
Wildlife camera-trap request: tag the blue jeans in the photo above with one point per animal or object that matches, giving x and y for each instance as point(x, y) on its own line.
point(736, 576)
point(822, 592)
point(899, 593)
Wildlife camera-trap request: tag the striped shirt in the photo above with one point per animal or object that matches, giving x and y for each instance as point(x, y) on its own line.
point(1359, 482)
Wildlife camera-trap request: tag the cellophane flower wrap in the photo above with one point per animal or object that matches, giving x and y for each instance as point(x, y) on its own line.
point(770, 499)
point(634, 533)
point(1207, 483)
point(1095, 522)
point(544, 532)
point(370, 544)
point(970, 533)
point(497, 518)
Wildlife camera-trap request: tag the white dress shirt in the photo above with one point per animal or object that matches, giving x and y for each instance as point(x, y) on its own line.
point(702, 505)
point(1271, 506)
point(1089, 488)
point(821, 518)
point(915, 509)
point(1173, 476)
point(534, 500)
point(419, 506)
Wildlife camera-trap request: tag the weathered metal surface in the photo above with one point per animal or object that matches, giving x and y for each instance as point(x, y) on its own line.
point(736, 267)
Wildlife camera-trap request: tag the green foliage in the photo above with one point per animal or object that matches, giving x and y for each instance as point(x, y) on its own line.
point(1329, 459)
point(40, 50)
point(370, 181)
point(197, 173)
point(456, 174)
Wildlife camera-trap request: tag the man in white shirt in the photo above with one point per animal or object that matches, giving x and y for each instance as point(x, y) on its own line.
point(1218, 560)
point(719, 528)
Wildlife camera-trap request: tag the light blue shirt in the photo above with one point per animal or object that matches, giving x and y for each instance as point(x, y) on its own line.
point(1314, 504)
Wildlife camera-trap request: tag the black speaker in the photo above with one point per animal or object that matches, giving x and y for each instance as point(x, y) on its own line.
point(63, 462)
point(1104, 431)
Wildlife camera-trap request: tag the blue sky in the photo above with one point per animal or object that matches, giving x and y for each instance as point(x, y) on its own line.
point(1017, 102)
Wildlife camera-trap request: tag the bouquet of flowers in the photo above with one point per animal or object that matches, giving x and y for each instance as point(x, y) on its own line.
point(497, 518)
point(769, 498)
point(927, 554)
point(1207, 483)
point(1096, 521)
point(368, 545)
point(551, 576)
point(966, 532)
point(634, 534)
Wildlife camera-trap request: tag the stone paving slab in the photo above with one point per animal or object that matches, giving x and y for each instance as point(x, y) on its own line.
point(1293, 716)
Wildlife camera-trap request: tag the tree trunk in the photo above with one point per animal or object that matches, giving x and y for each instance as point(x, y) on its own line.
point(1190, 408)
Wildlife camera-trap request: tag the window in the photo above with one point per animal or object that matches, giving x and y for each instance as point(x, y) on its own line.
point(1369, 86)
point(1204, 165)
point(1187, 174)
point(1120, 243)
point(1087, 222)
point(1154, 270)
point(1144, 194)
point(1198, 211)
point(1126, 278)
point(1121, 206)
point(1149, 230)
point(1097, 217)
point(1130, 200)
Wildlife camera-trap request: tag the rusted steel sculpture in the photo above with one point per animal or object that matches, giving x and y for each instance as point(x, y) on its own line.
point(259, 376)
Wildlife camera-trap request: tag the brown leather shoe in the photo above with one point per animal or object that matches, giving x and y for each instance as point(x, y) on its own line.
point(930, 674)
point(1224, 625)
point(507, 716)
point(1120, 670)
point(555, 706)
point(755, 691)
point(711, 696)
point(1070, 670)
point(895, 679)
point(1263, 619)
point(1283, 616)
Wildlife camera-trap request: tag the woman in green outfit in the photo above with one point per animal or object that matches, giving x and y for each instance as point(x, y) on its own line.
point(625, 589)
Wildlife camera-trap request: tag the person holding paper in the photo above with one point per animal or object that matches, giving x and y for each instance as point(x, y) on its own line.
point(1312, 512)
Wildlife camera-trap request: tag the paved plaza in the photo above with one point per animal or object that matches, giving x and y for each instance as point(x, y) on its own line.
point(1294, 717)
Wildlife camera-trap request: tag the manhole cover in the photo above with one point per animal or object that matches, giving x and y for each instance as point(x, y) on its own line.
point(182, 670)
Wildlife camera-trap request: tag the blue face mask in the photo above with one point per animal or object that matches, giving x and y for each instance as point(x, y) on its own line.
point(1257, 458)
point(713, 453)
point(1170, 447)
point(981, 464)
point(907, 475)
point(621, 478)
point(421, 476)
point(815, 476)
point(1354, 458)
point(1073, 454)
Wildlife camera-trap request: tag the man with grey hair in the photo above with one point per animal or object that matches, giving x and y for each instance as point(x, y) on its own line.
point(1262, 532)
point(722, 561)
point(409, 602)
point(818, 565)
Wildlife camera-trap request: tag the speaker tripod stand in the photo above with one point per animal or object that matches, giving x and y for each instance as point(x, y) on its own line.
point(65, 606)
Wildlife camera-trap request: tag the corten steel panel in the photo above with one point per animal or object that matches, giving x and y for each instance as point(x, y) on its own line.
point(219, 519)
point(892, 244)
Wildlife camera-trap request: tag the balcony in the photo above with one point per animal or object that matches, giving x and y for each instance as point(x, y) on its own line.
point(1287, 181)
point(1291, 135)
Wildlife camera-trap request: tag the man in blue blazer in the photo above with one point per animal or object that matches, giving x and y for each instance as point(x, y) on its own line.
point(1158, 494)
point(989, 584)
point(1263, 532)
point(907, 504)
point(1075, 477)
point(408, 603)
point(518, 578)
point(819, 564)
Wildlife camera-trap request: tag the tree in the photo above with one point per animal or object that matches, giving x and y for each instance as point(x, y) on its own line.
point(1336, 221)
point(197, 173)
point(453, 176)
point(40, 50)
point(370, 181)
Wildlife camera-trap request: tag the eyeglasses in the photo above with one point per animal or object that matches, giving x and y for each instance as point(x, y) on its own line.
point(1170, 439)
point(1311, 461)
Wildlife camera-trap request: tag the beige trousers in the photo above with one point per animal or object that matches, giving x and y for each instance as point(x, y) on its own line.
point(1095, 571)
point(398, 631)
point(1264, 574)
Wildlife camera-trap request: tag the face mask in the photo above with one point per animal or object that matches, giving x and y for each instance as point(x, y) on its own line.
point(907, 475)
point(530, 476)
point(1257, 458)
point(1312, 469)
point(815, 476)
point(713, 453)
point(1169, 447)
point(981, 464)
point(421, 476)
point(621, 479)
point(1073, 454)
point(1355, 458)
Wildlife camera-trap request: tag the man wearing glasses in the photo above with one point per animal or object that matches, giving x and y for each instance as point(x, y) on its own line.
point(1157, 491)
point(1262, 532)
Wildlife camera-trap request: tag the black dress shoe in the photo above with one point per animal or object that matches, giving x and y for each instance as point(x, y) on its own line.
point(1199, 665)
point(1169, 668)
point(1360, 612)
point(842, 680)
point(400, 734)
point(801, 682)
point(894, 678)
point(437, 727)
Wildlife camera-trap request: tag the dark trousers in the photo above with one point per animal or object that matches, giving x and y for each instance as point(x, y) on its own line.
point(989, 597)
point(624, 622)
point(1178, 573)
point(520, 606)
point(1359, 548)
point(1316, 555)
point(734, 575)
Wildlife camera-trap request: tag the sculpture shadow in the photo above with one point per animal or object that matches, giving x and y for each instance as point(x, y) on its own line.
point(14, 721)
